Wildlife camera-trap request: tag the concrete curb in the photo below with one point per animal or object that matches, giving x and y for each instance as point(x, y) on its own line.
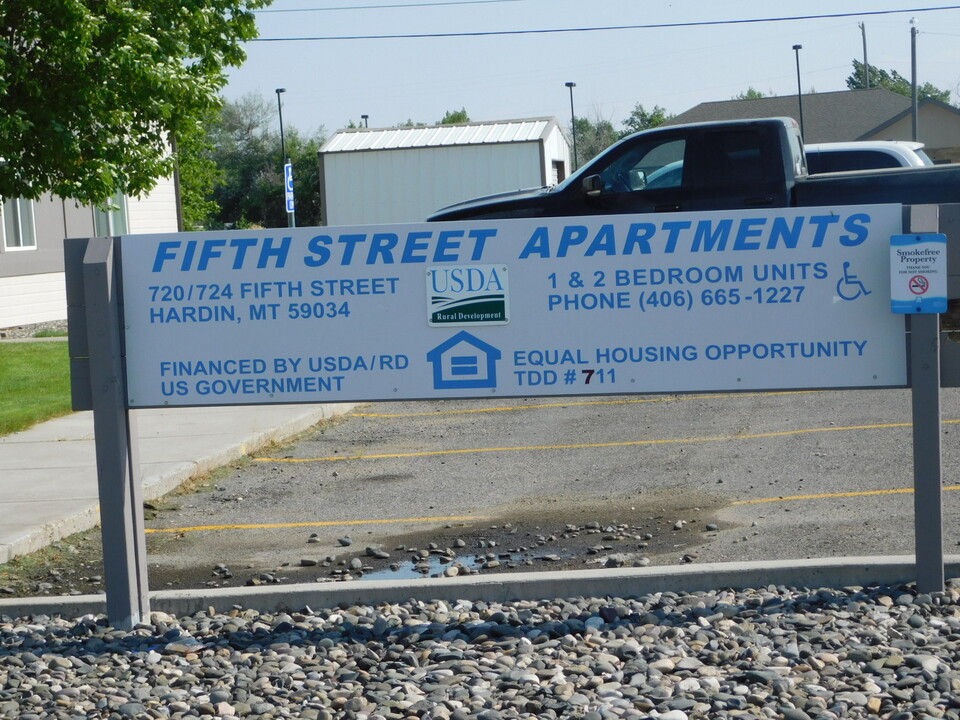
point(628, 582)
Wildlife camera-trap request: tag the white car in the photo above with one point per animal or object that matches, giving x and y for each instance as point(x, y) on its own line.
point(864, 155)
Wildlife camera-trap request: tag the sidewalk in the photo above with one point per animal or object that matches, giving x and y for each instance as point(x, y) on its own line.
point(48, 473)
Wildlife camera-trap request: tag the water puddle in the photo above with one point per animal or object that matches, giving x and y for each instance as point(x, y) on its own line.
point(469, 564)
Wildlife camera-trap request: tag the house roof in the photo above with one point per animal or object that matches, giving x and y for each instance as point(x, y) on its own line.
point(827, 117)
point(479, 133)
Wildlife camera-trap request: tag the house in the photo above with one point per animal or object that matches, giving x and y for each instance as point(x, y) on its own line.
point(405, 174)
point(31, 245)
point(874, 114)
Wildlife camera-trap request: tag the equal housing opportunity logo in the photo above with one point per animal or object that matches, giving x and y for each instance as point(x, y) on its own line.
point(467, 295)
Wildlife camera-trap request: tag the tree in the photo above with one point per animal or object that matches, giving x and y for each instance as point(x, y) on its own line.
point(245, 149)
point(750, 94)
point(640, 119)
point(593, 137)
point(455, 117)
point(199, 175)
point(91, 93)
point(894, 82)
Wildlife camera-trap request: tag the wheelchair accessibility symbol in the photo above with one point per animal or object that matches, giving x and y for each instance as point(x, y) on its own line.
point(849, 287)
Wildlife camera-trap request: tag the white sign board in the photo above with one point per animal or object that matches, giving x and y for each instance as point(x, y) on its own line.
point(674, 302)
point(918, 273)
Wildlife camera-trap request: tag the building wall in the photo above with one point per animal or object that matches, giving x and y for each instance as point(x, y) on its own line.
point(32, 281)
point(938, 128)
point(407, 185)
point(556, 151)
point(154, 213)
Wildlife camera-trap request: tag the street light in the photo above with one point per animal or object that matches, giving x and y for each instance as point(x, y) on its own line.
point(797, 49)
point(365, 118)
point(573, 123)
point(285, 161)
point(283, 149)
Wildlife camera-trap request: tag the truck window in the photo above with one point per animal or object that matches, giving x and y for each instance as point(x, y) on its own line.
point(654, 164)
point(733, 158)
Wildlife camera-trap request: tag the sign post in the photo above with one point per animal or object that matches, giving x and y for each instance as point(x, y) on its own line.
point(918, 268)
point(741, 300)
point(115, 433)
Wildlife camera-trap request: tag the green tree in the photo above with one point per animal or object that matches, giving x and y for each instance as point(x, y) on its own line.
point(455, 117)
point(593, 137)
point(640, 119)
point(92, 92)
point(199, 175)
point(751, 93)
point(246, 152)
point(894, 82)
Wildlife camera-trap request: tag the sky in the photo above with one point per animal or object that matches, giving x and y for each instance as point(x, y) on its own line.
point(497, 60)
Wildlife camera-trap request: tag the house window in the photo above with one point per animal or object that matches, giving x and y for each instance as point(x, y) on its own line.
point(111, 219)
point(19, 231)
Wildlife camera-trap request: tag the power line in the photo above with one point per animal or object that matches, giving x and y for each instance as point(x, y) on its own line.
point(657, 26)
point(382, 7)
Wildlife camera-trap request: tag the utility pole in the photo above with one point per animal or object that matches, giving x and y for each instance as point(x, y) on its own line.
point(913, 82)
point(866, 66)
point(797, 49)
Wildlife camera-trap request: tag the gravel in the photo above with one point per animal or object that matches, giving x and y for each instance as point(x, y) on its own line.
point(773, 652)
point(22, 332)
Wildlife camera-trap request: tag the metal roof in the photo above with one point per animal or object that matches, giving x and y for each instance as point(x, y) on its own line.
point(504, 131)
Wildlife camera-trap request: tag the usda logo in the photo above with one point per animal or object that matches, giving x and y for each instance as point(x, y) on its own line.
point(467, 295)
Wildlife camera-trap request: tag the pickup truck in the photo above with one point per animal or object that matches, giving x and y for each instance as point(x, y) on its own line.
point(711, 166)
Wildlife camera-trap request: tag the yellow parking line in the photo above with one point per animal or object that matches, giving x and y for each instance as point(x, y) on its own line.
point(318, 523)
point(578, 403)
point(828, 496)
point(586, 446)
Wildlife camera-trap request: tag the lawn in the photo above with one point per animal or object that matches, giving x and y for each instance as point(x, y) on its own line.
point(34, 383)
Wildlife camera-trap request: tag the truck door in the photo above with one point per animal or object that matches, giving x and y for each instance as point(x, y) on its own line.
point(732, 168)
point(645, 177)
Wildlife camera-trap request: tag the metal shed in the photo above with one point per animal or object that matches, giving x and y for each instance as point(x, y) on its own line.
point(405, 174)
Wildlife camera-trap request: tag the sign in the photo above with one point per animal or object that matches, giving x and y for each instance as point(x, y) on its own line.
point(673, 302)
point(918, 273)
point(288, 186)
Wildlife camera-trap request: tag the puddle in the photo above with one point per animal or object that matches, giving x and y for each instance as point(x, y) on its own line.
point(471, 564)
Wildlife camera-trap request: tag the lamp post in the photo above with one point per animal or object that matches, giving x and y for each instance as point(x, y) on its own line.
point(797, 49)
point(287, 167)
point(573, 123)
point(365, 118)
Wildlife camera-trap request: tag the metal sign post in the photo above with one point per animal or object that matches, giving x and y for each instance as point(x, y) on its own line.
point(118, 461)
point(925, 382)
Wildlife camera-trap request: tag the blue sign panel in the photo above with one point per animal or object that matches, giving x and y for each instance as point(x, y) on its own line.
point(288, 186)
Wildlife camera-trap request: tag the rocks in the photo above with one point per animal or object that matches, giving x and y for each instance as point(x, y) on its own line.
point(773, 652)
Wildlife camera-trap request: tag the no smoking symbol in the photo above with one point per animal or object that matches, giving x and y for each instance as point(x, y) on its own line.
point(919, 284)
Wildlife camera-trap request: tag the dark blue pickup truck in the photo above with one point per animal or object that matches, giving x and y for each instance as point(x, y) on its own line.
point(711, 166)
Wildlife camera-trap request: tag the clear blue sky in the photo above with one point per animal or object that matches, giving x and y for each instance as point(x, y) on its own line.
point(330, 82)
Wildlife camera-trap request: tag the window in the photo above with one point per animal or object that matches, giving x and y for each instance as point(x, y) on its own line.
point(111, 219)
point(19, 231)
point(651, 165)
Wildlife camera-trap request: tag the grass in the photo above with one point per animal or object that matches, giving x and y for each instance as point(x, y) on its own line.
point(50, 333)
point(34, 384)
